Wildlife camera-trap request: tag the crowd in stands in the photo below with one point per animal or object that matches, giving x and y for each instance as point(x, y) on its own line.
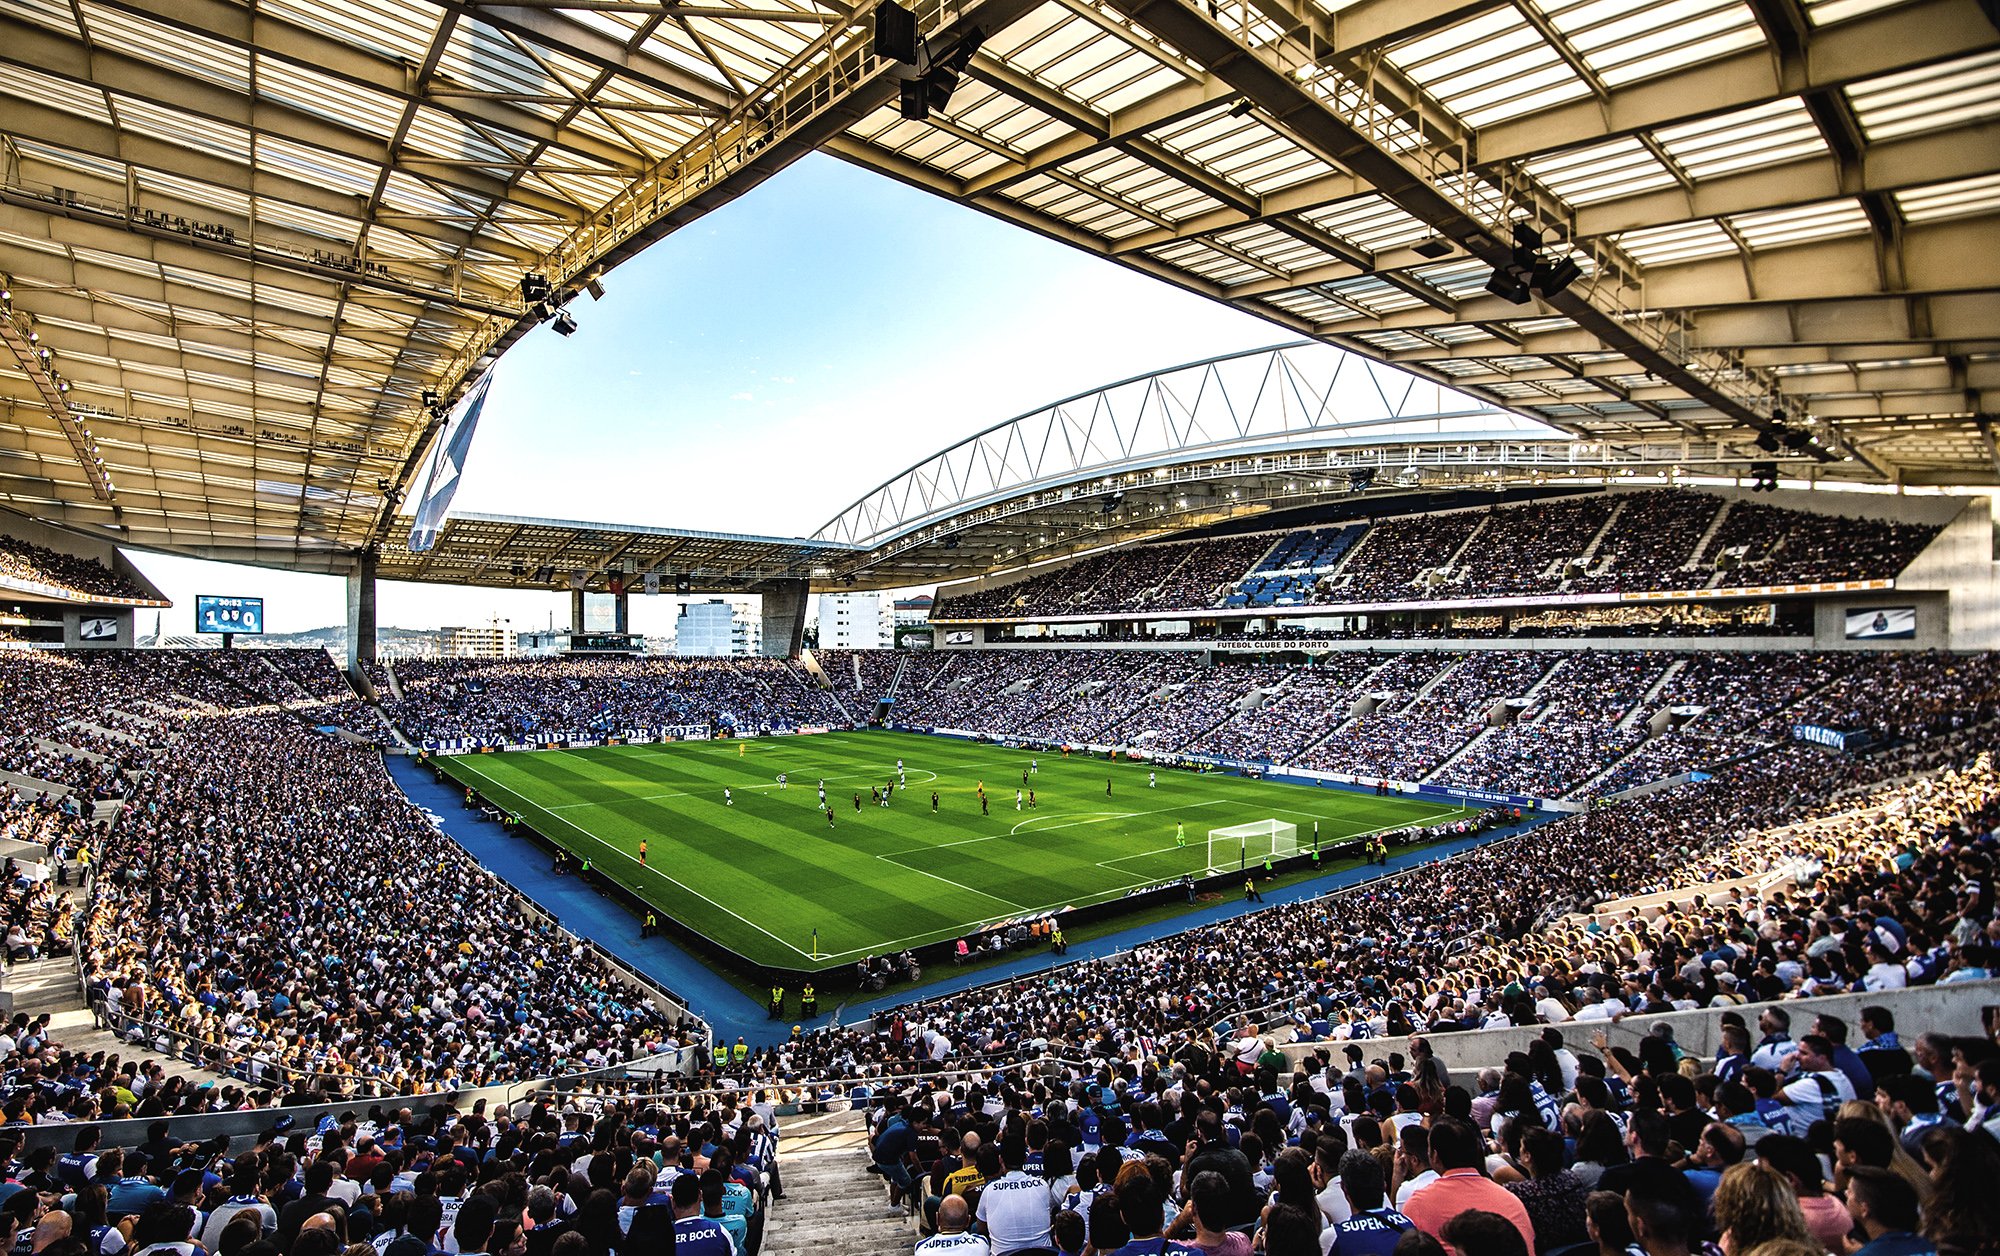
point(877, 671)
point(1141, 1098)
point(533, 699)
point(267, 904)
point(1559, 744)
point(1517, 551)
point(1653, 538)
point(531, 1178)
point(1520, 722)
point(1452, 698)
point(1668, 538)
point(70, 574)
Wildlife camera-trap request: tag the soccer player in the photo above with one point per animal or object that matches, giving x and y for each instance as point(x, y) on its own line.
point(1107, 787)
point(1152, 780)
point(1031, 800)
point(1180, 833)
point(1034, 765)
point(829, 817)
point(1024, 778)
point(933, 802)
point(728, 799)
point(1017, 800)
point(642, 852)
point(900, 778)
point(857, 802)
point(982, 806)
point(781, 780)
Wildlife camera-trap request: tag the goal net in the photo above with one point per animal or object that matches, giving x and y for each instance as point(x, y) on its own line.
point(1242, 846)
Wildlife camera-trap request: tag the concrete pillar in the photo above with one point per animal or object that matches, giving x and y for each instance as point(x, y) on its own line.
point(361, 613)
point(784, 616)
point(621, 612)
point(576, 611)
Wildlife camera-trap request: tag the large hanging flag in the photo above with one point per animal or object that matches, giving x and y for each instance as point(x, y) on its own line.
point(447, 466)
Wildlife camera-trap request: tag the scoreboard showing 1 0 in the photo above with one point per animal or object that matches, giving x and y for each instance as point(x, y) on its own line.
point(228, 614)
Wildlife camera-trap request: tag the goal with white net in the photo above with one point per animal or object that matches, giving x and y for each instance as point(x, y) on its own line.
point(1242, 846)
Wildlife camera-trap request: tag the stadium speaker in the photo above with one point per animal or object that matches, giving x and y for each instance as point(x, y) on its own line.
point(1508, 286)
point(683, 585)
point(1768, 442)
point(1797, 438)
point(895, 33)
point(1553, 277)
point(1436, 246)
point(915, 105)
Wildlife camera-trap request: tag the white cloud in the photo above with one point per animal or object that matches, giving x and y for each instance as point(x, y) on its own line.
point(743, 396)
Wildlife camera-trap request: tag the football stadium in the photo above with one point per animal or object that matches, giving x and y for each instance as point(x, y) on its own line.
point(1106, 627)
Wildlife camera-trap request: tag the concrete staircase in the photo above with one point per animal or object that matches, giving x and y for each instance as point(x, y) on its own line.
point(832, 1206)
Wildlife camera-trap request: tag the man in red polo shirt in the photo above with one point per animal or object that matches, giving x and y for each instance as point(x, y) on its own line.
point(1457, 1154)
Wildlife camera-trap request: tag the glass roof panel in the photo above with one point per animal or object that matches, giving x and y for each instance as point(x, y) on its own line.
point(1827, 12)
point(1372, 222)
point(1779, 131)
point(1677, 242)
point(1601, 172)
point(1310, 305)
point(80, 99)
point(1825, 220)
point(1949, 94)
point(1958, 199)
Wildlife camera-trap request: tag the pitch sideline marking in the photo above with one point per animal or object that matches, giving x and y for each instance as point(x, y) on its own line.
point(633, 859)
point(960, 884)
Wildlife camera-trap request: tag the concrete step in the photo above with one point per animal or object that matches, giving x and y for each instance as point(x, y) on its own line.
point(833, 1206)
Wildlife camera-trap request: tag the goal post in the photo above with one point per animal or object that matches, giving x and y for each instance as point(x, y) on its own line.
point(1242, 846)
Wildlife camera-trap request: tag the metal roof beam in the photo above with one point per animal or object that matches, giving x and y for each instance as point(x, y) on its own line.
point(1263, 78)
point(1898, 37)
point(265, 34)
point(38, 48)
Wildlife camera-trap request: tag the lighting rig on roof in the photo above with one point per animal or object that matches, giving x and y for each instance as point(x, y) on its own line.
point(1531, 268)
point(37, 362)
point(548, 306)
point(933, 77)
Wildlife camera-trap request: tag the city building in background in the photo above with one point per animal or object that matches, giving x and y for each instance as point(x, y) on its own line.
point(715, 628)
point(855, 621)
point(489, 642)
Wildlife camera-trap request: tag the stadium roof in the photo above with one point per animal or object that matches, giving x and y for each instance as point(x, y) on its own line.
point(506, 552)
point(256, 233)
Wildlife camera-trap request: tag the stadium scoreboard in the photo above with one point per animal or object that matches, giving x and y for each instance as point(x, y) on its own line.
point(214, 614)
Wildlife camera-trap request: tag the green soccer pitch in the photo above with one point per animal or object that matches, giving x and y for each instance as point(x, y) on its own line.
point(758, 875)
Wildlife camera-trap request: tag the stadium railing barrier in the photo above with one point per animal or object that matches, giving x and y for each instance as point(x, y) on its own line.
point(1956, 1010)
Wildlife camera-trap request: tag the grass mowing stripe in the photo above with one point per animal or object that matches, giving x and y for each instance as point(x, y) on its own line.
point(643, 868)
point(760, 876)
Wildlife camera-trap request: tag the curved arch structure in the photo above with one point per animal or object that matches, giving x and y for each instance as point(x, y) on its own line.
point(1285, 397)
point(1196, 444)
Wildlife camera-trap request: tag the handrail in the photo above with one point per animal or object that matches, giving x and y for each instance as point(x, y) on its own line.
point(942, 1070)
point(364, 1086)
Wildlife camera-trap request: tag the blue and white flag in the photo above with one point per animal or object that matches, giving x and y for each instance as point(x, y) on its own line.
point(447, 466)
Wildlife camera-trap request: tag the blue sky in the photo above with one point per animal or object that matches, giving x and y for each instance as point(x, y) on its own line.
point(760, 369)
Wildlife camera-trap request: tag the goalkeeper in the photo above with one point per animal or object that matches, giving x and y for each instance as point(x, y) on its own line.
point(1180, 833)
